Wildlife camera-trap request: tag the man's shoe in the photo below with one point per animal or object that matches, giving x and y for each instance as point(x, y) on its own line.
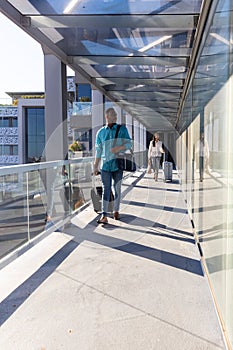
point(102, 220)
point(116, 215)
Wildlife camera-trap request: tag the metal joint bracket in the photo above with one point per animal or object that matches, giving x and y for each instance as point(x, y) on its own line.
point(70, 59)
point(25, 21)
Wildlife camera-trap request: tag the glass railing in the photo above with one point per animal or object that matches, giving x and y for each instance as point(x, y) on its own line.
point(36, 198)
point(85, 108)
point(82, 108)
point(39, 198)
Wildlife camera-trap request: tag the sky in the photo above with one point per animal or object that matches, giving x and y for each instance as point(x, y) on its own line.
point(21, 61)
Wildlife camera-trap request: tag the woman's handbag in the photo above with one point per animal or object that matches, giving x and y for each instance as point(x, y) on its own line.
point(125, 160)
point(148, 170)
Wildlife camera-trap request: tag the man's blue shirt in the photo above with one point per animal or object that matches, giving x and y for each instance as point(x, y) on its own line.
point(105, 142)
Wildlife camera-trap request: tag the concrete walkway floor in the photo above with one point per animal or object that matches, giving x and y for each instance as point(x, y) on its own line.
point(133, 284)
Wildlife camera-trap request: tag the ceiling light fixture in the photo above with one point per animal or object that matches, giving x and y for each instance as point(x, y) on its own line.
point(133, 68)
point(135, 87)
point(116, 32)
point(70, 6)
point(154, 43)
point(220, 38)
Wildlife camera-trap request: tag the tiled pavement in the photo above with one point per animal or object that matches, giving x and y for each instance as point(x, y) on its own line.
point(133, 284)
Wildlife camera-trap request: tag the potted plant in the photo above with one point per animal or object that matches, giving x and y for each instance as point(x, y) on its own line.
point(85, 99)
point(76, 149)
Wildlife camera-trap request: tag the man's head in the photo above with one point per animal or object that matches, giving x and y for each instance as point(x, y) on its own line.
point(156, 136)
point(111, 116)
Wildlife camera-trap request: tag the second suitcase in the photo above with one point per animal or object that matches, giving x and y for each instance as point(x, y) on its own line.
point(167, 171)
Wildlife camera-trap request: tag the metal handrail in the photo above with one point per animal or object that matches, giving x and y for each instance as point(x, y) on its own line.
point(22, 168)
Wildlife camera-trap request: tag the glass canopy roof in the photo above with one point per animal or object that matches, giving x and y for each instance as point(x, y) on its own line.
point(137, 52)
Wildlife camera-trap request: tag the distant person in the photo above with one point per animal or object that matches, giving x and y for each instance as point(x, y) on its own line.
point(106, 163)
point(154, 154)
point(203, 156)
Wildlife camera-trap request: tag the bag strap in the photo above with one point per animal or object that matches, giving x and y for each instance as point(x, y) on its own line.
point(116, 134)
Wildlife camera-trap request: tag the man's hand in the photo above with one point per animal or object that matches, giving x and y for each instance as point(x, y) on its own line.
point(96, 170)
point(64, 172)
point(117, 149)
point(96, 166)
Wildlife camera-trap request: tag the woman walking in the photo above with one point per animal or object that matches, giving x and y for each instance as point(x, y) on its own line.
point(154, 154)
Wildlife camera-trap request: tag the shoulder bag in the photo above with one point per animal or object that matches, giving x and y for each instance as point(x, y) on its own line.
point(125, 160)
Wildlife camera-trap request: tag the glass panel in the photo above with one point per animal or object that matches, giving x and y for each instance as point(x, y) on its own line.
point(36, 207)
point(15, 150)
point(82, 108)
point(148, 41)
point(115, 41)
point(6, 150)
point(39, 199)
point(156, 72)
point(107, 6)
point(14, 122)
point(54, 191)
point(229, 245)
point(208, 120)
point(4, 122)
point(132, 82)
point(64, 189)
point(13, 206)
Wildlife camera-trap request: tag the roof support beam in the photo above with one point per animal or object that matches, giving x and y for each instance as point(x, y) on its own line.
point(204, 23)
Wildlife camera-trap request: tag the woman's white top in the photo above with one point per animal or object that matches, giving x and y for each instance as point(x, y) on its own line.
point(155, 151)
point(204, 149)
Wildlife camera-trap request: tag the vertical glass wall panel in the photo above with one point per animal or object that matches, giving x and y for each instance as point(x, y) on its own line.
point(189, 151)
point(216, 187)
point(195, 127)
point(229, 242)
point(209, 148)
point(179, 156)
point(81, 179)
point(183, 162)
point(14, 212)
point(56, 193)
point(36, 218)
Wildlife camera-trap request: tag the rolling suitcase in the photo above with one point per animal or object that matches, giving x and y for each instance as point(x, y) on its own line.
point(72, 196)
point(167, 170)
point(96, 195)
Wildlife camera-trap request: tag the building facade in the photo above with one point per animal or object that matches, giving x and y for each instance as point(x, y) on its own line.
point(22, 124)
point(9, 153)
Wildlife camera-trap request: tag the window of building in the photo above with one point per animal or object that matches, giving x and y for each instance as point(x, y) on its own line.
point(4, 122)
point(8, 122)
point(14, 122)
point(81, 134)
point(9, 150)
point(6, 150)
point(35, 133)
point(14, 150)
